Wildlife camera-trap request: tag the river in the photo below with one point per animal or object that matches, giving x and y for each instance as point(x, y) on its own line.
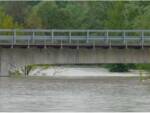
point(74, 94)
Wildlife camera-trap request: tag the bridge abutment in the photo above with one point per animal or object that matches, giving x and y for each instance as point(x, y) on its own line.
point(19, 57)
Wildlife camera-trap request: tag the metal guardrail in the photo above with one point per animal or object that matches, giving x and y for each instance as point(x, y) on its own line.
point(78, 37)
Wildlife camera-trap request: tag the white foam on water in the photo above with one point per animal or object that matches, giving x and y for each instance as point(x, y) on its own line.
point(80, 72)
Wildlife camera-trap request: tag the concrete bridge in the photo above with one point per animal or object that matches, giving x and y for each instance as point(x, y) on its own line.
point(19, 48)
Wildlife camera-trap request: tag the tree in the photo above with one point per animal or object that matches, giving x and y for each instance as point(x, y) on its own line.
point(142, 20)
point(115, 16)
point(96, 14)
point(33, 20)
point(51, 16)
point(18, 9)
point(6, 21)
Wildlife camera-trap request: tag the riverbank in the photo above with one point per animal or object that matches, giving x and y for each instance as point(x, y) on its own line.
point(63, 71)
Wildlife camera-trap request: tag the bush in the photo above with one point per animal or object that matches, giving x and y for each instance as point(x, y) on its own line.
point(118, 68)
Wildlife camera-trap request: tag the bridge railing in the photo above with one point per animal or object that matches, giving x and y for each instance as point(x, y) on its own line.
point(75, 37)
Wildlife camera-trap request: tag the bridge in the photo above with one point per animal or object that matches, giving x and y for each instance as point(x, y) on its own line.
point(21, 47)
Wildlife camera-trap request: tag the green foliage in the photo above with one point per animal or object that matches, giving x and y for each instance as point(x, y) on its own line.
point(33, 20)
point(143, 67)
point(118, 67)
point(76, 15)
point(115, 16)
point(18, 9)
point(6, 21)
point(51, 15)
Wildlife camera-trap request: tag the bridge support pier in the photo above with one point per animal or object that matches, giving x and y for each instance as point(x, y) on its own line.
point(19, 57)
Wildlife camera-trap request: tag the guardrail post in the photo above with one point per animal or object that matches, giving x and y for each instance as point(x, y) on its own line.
point(28, 43)
point(13, 38)
point(87, 37)
point(94, 45)
point(52, 36)
point(45, 43)
point(109, 43)
point(33, 35)
point(107, 37)
point(61, 44)
point(142, 39)
point(77, 44)
point(69, 36)
point(124, 39)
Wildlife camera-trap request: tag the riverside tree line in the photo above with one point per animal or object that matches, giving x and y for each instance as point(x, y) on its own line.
point(78, 15)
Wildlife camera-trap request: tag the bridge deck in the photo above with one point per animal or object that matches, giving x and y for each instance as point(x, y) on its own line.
point(74, 38)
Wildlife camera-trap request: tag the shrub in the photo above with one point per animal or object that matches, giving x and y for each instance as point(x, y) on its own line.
point(118, 68)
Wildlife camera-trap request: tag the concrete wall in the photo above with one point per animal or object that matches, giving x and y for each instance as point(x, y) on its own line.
point(17, 57)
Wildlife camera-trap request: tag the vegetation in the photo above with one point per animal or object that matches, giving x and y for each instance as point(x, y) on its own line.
point(77, 15)
point(117, 67)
